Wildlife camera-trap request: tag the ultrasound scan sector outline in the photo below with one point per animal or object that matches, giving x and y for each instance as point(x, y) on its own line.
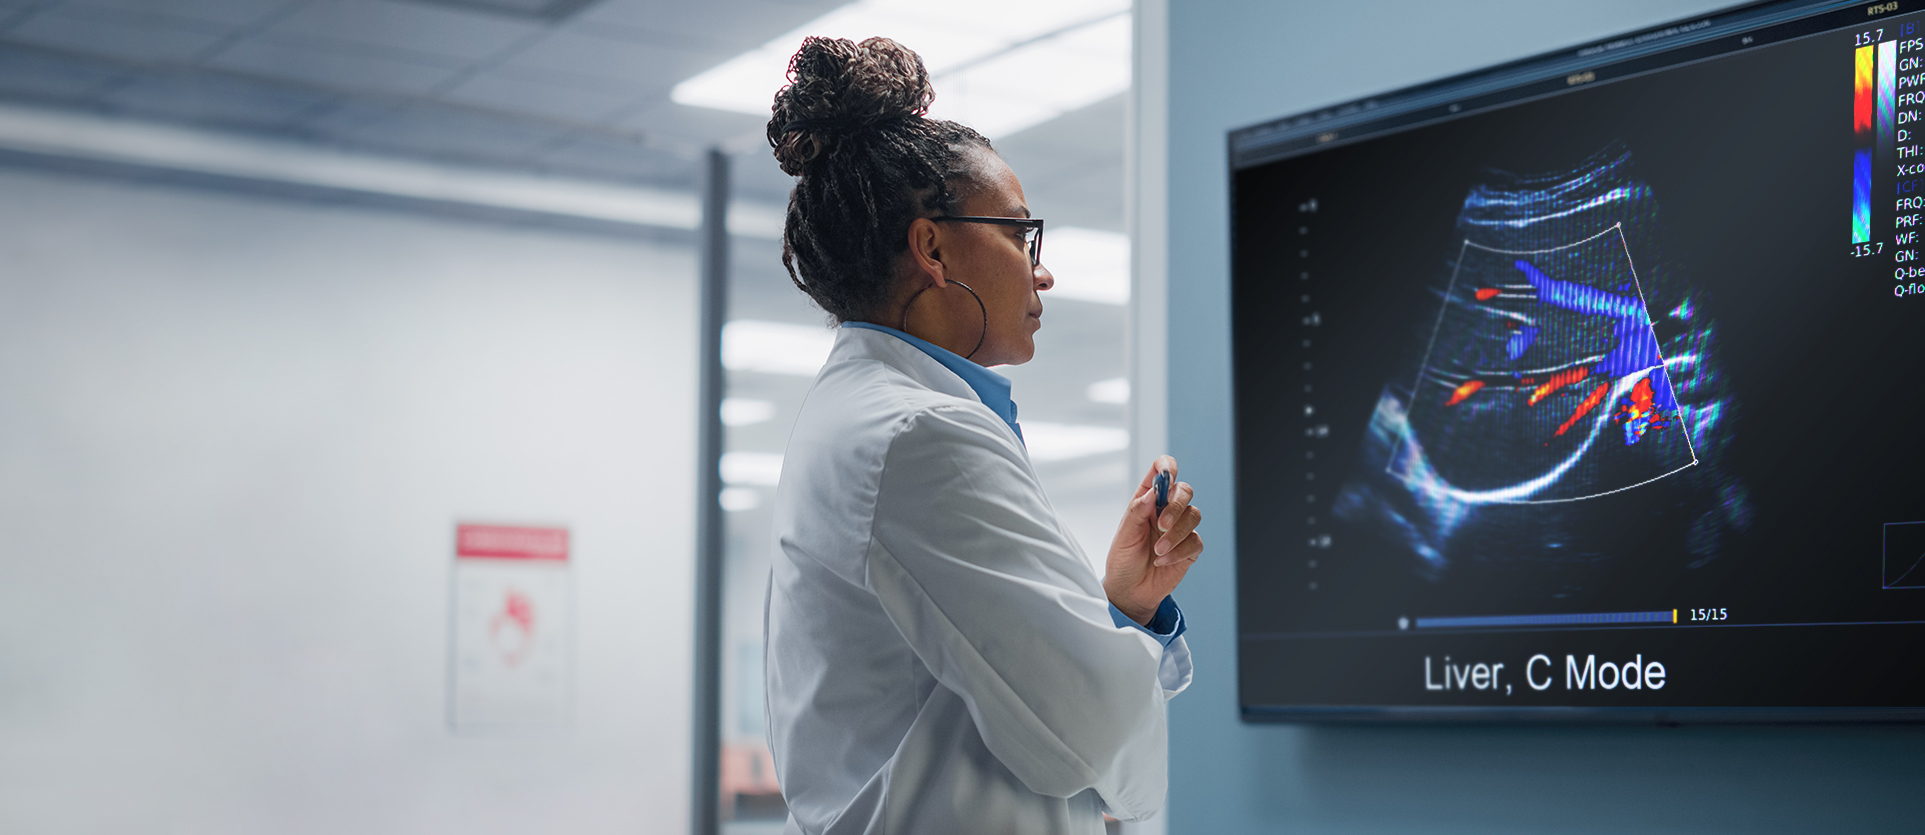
point(1641, 405)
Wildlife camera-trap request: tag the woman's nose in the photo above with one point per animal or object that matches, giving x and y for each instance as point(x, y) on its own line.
point(1044, 278)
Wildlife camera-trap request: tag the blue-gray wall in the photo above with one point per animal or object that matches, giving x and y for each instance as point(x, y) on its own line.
point(1235, 62)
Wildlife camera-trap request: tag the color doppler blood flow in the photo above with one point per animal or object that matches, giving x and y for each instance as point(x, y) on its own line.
point(1588, 388)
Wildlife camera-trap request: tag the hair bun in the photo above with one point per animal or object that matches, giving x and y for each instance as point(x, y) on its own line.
point(839, 89)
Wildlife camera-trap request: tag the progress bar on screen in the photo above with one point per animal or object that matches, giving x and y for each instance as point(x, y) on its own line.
point(1664, 616)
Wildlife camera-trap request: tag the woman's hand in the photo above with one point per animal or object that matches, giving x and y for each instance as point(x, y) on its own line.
point(1152, 552)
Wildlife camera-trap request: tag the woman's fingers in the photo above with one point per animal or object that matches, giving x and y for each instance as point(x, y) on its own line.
point(1137, 531)
point(1180, 497)
point(1177, 523)
point(1184, 530)
point(1189, 550)
point(1186, 551)
point(1162, 464)
point(1143, 509)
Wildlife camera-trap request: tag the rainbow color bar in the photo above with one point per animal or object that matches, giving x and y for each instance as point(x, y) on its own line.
point(1865, 112)
point(1864, 93)
point(1861, 196)
point(1887, 94)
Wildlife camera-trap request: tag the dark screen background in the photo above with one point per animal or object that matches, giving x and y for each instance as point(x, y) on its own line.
point(1749, 159)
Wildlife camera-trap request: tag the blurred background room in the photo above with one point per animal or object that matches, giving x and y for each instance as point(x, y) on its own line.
point(367, 367)
point(294, 290)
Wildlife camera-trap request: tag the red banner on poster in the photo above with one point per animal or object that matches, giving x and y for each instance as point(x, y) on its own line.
point(505, 542)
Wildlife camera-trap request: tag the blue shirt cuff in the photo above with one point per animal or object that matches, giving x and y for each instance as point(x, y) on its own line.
point(1164, 626)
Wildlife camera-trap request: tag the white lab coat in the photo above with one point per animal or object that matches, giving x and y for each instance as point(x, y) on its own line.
point(940, 654)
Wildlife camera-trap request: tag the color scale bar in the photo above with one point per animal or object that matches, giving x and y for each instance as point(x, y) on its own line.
point(1864, 92)
point(1864, 115)
point(1861, 196)
point(1666, 616)
point(1887, 94)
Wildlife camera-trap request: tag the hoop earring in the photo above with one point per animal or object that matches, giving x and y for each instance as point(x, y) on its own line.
point(904, 324)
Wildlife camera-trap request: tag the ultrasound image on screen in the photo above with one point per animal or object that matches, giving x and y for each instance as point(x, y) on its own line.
point(1555, 373)
point(1596, 396)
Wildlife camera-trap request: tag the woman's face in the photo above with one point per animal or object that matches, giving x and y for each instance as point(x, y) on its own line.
point(994, 261)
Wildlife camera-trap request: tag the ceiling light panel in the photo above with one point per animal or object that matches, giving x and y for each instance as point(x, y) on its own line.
point(538, 9)
point(1089, 264)
point(744, 411)
point(1012, 64)
point(760, 469)
point(1113, 390)
point(775, 347)
point(1064, 441)
point(736, 499)
point(1039, 81)
point(80, 136)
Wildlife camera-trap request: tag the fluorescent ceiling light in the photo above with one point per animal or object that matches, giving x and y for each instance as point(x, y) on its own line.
point(761, 469)
point(1005, 66)
point(740, 498)
point(165, 147)
point(743, 411)
point(543, 10)
point(755, 220)
point(1037, 82)
point(775, 347)
point(1089, 264)
point(1114, 390)
point(1062, 441)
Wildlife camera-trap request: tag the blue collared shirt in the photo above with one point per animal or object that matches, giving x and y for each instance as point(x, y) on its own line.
point(993, 389)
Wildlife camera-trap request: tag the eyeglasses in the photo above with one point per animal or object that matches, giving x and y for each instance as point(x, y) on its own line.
point(1032, 231)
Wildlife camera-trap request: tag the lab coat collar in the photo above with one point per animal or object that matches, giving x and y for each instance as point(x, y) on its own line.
point(989, 387)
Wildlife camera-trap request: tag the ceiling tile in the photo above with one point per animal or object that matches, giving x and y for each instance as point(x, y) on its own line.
point(731, 25)
point(547, 94)
point(695, 125)
point(33, 73)
point(642, 69)
point(352, 115)
point(550, 10)
point(217, 98)
point(603, 156)
point(340, 67)
point(442, 31)
point(439, 131)
point(229, 13)
point(119, 33)
point(614, 63)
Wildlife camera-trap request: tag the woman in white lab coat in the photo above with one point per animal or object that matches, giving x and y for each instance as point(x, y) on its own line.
point(941, 656)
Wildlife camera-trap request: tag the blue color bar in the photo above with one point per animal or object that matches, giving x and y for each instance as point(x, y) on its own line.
point(1666, 616)
point(1861, 196)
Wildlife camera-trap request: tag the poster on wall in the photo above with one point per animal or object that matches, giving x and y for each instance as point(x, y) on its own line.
point(512, 634)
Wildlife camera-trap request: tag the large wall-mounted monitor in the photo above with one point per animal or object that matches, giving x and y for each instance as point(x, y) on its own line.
point(1589, 385)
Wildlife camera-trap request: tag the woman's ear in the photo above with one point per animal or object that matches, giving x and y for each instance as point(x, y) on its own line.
point(925, 250)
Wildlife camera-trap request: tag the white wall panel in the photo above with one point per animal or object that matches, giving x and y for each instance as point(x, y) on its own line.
point(235, 437)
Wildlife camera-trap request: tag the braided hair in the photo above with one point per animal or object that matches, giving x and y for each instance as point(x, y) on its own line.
point(851, 128)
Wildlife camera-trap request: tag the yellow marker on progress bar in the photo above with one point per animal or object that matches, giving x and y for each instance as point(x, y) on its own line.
point(1674, 616)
